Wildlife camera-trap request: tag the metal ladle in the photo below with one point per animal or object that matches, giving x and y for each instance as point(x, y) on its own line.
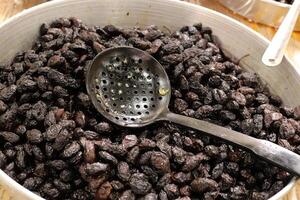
point(130, 88)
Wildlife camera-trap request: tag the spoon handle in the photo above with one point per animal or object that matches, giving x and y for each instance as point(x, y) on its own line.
point(265, 149)
point(275, 51)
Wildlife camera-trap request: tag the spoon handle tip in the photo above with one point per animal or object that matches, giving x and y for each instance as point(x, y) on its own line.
point(276, 49)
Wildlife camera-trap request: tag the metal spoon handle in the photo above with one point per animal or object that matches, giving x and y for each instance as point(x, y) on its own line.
point(265, 149)
point(274, 53)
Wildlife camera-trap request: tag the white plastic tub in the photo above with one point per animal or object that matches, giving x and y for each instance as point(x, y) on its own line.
point(267, 12)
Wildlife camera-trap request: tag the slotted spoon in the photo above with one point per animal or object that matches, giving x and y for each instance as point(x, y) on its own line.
point(131, 88)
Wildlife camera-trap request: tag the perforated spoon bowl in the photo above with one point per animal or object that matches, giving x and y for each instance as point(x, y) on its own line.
point(131, 88)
